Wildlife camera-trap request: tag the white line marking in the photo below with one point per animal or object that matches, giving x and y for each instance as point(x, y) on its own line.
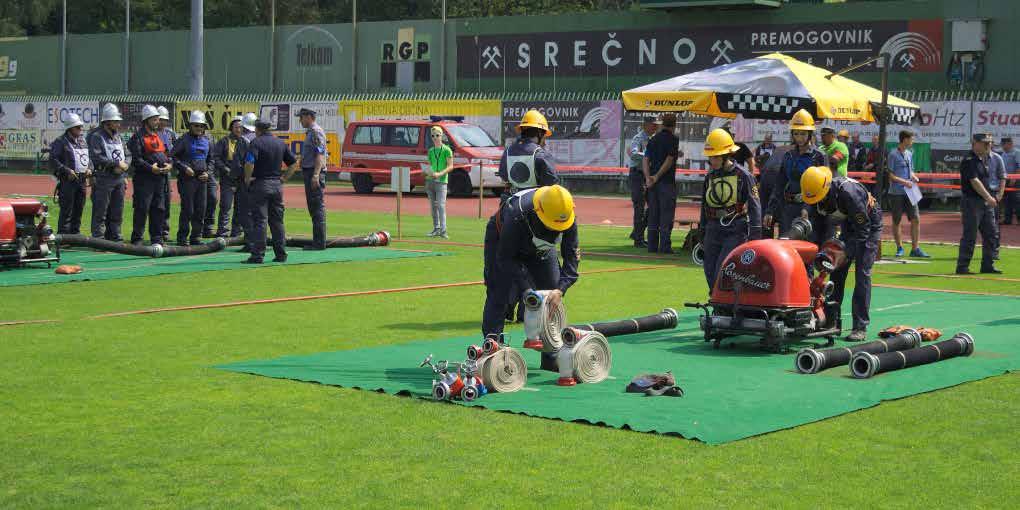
point(903, 305)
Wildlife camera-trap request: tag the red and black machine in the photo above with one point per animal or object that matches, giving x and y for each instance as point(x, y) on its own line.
point(765, 289)
point(25, 237)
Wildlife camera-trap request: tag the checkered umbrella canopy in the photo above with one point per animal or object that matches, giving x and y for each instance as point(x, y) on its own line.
point(772, 86)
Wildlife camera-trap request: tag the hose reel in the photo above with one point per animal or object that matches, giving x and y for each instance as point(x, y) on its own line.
point(542, 322)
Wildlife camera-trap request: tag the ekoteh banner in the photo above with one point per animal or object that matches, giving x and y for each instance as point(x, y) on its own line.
point(585, 133)
point(22, 115)
point(217, 114)
point(999, 119)
point(327, 116)
point(56, 112)
point(19, 143)
point(483, 113)
point(915, 46)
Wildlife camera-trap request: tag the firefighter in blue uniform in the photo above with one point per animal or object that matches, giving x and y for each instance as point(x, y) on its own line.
point(848, 201)
point(522, 254)
point(787, 202)
point(730, 207)
point(192, 155)
point(525, 165)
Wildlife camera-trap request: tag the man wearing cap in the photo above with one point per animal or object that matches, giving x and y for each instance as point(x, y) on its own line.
point(763, 152)
point(151, 173)
point(169, 137)
point(534, 222)
point(313, 169)
point(227, 158)
point(843, 136)
point(901, 176)
point(1011, 158)
point(192, 157)
point(659, 169)
point(266, 155)
point(70, 163)
point(836, 150)
point(107, 152)
point(977, 207)
point(637, 180)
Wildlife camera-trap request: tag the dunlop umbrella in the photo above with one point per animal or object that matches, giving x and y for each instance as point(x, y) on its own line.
point(772, 86)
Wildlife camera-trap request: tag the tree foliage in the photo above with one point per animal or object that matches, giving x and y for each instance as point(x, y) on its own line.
point(43, 17)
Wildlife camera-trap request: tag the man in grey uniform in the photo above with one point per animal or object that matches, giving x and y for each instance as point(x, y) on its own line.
point(107, 152)
point(313, 169)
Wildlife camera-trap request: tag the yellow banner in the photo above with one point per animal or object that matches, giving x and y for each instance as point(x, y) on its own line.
point(296, 140)
point(19, 143)
point(218, 115)
point(672, 101)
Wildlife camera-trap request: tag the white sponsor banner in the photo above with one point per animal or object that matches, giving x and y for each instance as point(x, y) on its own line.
point(22, 115)
point(944, 124)
point(56, 111)
point(584, 152)
point(999, 119)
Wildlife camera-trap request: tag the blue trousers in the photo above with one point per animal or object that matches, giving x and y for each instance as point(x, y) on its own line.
point(661, 212)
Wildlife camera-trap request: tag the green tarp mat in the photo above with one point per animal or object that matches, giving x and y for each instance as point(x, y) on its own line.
point(731, 393)
point(111, 266)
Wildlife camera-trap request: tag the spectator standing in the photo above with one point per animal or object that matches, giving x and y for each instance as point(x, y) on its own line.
point(636, 152)
point(1011, 158)
point(901, 177)
point(436, 178)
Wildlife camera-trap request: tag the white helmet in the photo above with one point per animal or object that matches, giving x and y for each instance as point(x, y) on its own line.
point(148, 112)
point(110, 112)
point(248, 122)
point(164, 114)
point(197, 117)
point(72, 120)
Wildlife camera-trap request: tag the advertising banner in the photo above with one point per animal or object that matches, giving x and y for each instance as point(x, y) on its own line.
point(999, 119)
point(19, 143)
point(131, 111)
point(22, 115)
point(217, 114)
point(585, 133)
point(483, 113)
point(915, 46)
point(56, 111)
point(288, 127)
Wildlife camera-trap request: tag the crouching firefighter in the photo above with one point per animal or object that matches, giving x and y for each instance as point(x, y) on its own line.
point(849, 202)
point(522, 253)
point(730, 208)
point(524, 165)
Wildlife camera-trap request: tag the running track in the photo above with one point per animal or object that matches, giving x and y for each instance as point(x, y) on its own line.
point(935, 226)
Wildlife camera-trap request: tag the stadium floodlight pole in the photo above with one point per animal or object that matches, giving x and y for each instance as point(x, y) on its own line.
point(197, 37)
point(63, 47)
point(442, 63)
point(354, 48)
point(127, 46)
point(272, 45)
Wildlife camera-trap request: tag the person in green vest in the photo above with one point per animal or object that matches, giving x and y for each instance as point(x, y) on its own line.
point(837, 151)
point(436, 177)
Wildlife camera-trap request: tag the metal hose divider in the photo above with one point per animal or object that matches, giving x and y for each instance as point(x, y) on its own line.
point(542, 322)
point(666, 319)
point(864, 365)
point(154, 251)
point(592, 358)
point(504, 371)
point(811, 361)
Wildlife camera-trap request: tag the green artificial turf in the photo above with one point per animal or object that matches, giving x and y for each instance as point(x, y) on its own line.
point(128, 412)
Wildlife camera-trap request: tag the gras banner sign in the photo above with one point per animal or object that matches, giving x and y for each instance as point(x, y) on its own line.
point(585, 133)
point(217, 115)
point(19, 143)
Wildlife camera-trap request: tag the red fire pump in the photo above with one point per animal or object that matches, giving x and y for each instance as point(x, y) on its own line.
point(25, 237)
point(764, 289)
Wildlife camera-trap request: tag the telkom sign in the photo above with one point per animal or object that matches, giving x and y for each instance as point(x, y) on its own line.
point(915, 46)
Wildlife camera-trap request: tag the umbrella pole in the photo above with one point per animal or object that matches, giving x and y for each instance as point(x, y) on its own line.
point(883, 119)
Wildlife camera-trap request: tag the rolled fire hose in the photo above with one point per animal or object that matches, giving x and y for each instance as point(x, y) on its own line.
point(380, 238)
point(504, 371)
point(154, 251)
point(588, 360)
point(666, 319)
point(810, 361)
point(864, 365)
point(543, 324)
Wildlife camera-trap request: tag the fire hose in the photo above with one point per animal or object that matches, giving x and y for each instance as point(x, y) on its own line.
point(864, 365)
point(504, 371)
point(154, 251)
point(666, 319)
point(380, 238)
point(586, 360)
point(811, 361)
point(542, 322)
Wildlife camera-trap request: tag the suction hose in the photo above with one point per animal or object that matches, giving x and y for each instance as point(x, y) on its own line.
point(504, 371)
point(542, 323)
point(588, 360)
point(810, 361)
point(154, 251)
point(666, 319)
point(864, 365)
point(380, 238)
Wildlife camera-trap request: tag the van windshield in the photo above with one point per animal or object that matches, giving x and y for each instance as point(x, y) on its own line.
point(467, 135)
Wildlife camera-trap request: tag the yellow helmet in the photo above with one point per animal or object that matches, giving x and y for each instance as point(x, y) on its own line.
point(815, 183)
point(844, 133)
point(802, 121)
point(535, 119)
point(719, 143)
point(555, 207)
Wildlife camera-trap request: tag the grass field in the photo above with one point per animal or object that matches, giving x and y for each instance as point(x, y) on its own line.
point(127, 412)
